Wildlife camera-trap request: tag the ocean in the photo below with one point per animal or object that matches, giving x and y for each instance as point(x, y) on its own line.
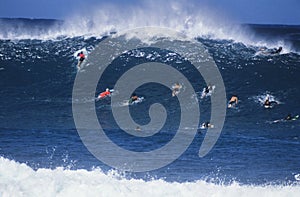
point(43, 149)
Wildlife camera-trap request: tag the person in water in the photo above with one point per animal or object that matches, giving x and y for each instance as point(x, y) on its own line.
point(207, 125)
point(268, 103)
point(288, 117)
point(81, 58)
point(276, 51)
point(138, 128)
point(176, 88)
point(233, 101)
point(208, 89)
point(104, 94)
point(133, 98)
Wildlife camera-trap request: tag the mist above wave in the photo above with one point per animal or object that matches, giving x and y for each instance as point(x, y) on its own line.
point(98, 20)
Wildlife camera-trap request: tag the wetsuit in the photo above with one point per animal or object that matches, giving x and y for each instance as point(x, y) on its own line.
point(104, 94)
point(133, 98)
point(231, 102)
point(81, 57)
point(207, 90)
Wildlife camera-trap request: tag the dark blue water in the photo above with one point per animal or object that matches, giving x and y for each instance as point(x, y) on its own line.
point(37, 126)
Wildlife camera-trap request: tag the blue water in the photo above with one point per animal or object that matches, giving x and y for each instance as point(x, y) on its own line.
point(37, 126)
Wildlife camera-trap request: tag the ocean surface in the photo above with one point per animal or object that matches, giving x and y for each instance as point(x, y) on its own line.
point(42, 153)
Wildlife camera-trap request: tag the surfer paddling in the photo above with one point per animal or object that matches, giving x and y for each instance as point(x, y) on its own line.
point(233, 101)
point(176, 89)
point(104, 94)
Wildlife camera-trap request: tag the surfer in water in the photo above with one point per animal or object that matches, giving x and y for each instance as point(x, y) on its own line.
point(276, 51)
point(138, 128)
point(290, 117)
point(266, 51)
point(233, 101)
point(176, 89)
point(81, 58)
point(104, 94)
point(207, 125)
point(208, 89)
point(268, 103)
point(133, 98)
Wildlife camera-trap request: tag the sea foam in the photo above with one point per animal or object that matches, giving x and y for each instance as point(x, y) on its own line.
point(18, 179)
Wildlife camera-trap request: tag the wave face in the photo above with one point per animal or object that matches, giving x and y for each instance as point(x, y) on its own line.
point(253, 155)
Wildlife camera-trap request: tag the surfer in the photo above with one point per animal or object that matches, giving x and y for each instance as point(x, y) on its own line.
point(104, 94)
point(268, 103)
point(208, 89)
point(233, 101)
point(276, 51)
point(138, 128)
point(176, 89)
point(290, 117)
point(81, 58)
point(207, 125)
point(133, 98)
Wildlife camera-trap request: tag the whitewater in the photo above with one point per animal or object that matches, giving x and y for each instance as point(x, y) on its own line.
point(21, 180)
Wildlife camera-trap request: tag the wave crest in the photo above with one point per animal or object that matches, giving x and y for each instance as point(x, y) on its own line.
point(99, 20)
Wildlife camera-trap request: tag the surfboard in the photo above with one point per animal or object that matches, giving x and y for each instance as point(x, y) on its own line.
point(296, 117)
point(268, 106)
point(271, 105)
point(233, 105)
